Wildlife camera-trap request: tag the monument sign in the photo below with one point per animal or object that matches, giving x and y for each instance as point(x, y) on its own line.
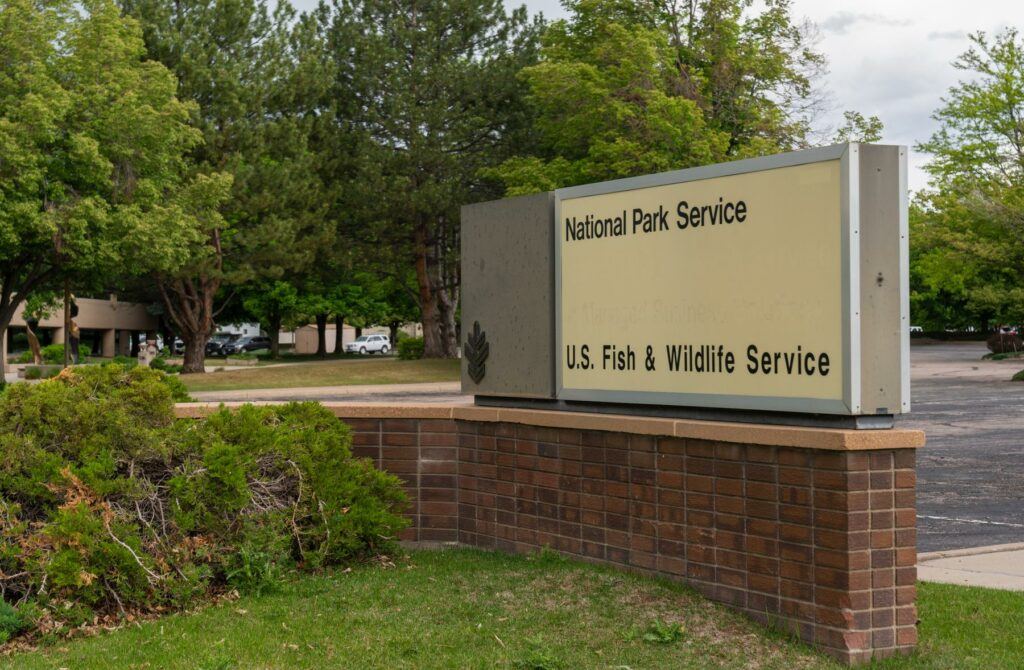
point(771, 284)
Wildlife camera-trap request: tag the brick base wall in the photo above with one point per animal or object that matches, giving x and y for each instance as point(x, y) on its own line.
point(423, 453)
point(817, 541)
point(821, 543)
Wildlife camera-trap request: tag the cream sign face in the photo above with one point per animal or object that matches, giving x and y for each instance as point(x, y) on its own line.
point(721, 290)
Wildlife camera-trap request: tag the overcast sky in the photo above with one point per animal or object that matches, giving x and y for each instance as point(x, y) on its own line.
point(886, 57)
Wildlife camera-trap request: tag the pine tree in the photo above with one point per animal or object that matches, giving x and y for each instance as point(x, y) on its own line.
point(256, 80)
point(433, 87)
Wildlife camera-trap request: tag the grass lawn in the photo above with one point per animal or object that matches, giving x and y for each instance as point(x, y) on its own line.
point(470, 609)
point(338, 372)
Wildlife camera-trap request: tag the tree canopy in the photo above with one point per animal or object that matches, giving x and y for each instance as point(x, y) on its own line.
point(434, 97)
point(253, 75)
point(629, 87)
point(967, 229)
point(235, 158)
point(93, 145)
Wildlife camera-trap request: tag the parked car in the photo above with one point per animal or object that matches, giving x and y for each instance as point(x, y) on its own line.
point(251, 343)
point(216, 344)
point(179, 347)
point(369, 344)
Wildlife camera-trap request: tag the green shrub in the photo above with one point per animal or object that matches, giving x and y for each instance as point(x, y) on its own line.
point(410, 349)
point(126, 361)
point(110, 504)
point(19, 340)
point(33, 373)
point(160, 363)
point(54, 353)
point(24, 357)
point(1019, 377)
point(12, 621)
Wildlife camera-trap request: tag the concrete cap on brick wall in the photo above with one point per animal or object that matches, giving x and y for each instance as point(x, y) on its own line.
point(718, 431)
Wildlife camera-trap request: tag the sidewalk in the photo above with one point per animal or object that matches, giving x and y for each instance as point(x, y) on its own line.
point(1000, 566)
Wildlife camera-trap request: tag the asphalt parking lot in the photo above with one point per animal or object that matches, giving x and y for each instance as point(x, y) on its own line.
point(971, 472)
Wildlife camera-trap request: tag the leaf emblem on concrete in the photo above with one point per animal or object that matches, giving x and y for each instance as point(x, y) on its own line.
point(476, 351)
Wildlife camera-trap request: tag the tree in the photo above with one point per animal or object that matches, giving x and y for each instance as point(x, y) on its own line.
point(628, 87)
point(751, 71)
point(92, 140)
point(606, 103)
point(256, 79)
point(273, 305)
point(858, 128)
point(433, 88)
point(968, 229)
point(395, 303)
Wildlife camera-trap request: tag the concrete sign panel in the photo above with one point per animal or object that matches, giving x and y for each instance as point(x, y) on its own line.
point(777, 283)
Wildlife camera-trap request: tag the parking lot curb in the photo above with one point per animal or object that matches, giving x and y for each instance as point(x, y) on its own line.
point(971, 551)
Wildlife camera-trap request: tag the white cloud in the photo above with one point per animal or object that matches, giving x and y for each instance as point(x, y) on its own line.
point(947, 35)
point(841, 22)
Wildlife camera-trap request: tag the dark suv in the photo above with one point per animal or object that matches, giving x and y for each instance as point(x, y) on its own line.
point(216, 344)
point(252, 343)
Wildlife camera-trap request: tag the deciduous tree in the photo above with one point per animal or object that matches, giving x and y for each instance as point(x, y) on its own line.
point(628, 87)
point(967, 239)
point(92, 142)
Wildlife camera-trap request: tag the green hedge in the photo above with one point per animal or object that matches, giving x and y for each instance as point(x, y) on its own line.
point(410, 349)
point(111, 506)
point(54, 353)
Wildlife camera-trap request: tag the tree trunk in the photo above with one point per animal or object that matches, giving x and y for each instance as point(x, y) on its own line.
point(439, 332)
point(7, 309)
point(3, 358)
point(189, 303)
point(167, 332)
point(274, 333)
point(195, 354)
point(437, 303)
point(393, 333)
point(339, 334)
point(67, 324)
point(33, 345)
point(321, 335)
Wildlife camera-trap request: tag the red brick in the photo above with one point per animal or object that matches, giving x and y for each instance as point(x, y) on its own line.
point(400, 425)
point(794, 476)
point(399, 439)
point(906, 636)
point(904, 458)
point(905, 479)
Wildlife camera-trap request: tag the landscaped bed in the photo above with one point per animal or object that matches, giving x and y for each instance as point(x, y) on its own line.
point(111, 510)
point(471, 609)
